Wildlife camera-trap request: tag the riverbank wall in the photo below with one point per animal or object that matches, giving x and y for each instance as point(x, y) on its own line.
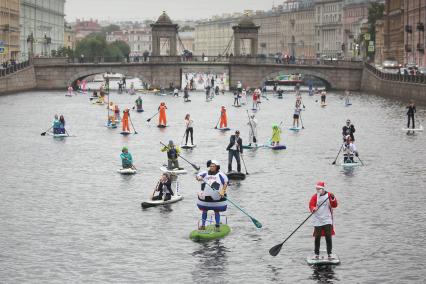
point(21, 80)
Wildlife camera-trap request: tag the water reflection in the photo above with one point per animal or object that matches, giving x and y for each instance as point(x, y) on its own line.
point(324, 274)
point(212, 262)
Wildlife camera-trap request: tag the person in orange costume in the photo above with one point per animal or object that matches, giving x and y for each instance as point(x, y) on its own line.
point(223, 118)
point(125, 120)
point(162, 118)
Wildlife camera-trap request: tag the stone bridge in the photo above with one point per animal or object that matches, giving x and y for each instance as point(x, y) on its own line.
point(58, 73)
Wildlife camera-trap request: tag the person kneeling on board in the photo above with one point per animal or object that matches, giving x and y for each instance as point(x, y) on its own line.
point(164, 188)
point(126, 158)
point(321, 205)
point(349, 150)
point(172, 155)
point(213, 195)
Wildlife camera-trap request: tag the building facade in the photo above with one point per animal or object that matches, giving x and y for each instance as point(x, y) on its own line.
point(414, 29)
point(393, 36)
point(69, 37)
point(186, 41)
point(329, 28)
point(42, 26)
point(83, 28)
point(139, 40)
point(9, 30)
point(298, 30)
point(354, 15)
point(378, 55)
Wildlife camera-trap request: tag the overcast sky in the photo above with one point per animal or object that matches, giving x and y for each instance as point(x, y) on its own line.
point(151, 9)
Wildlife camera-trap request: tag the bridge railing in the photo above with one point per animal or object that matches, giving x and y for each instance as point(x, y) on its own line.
point(213, 59)
point(420, 78)
point(12, 68)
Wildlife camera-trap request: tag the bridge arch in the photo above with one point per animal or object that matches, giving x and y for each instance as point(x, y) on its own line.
point(81, 73)
point(305, 72)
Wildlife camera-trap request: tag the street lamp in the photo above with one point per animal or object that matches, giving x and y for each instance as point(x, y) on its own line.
point(30, 41)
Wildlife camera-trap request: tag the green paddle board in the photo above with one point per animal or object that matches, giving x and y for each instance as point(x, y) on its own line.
point(209, 233)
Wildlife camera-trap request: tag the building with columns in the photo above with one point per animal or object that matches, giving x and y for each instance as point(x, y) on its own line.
point(9, 30)
point(393, 35)
point(329, 28)
point(42, 26)
point(354, 15)
point(414, 29)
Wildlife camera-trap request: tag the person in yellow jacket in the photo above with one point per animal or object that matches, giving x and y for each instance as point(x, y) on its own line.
point(172, 155)
point(276, 135)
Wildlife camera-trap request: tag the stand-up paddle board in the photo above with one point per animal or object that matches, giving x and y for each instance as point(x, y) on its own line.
point(233, 175)
point(128, 171)
point(210, 233)
point(176, 171)
point(413, 129)
point(188, 146)
point(151, 203)
point(323, 260)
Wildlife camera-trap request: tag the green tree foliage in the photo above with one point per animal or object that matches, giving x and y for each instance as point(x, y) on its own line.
point(95, 47)
point(375, 12)
point(110, 28)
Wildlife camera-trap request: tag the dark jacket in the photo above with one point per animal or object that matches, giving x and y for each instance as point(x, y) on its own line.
point(232, 142)
point(348, 131)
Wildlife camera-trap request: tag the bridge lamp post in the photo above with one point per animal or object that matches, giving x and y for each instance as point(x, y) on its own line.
point(30, 42)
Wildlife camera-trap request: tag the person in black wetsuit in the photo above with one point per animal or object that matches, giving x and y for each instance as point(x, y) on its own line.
point(348, 129)
point(164, 188)
point(410, 114)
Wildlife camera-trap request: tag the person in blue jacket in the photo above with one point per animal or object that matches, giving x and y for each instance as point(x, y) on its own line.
point(126, 158)
point(56, 124)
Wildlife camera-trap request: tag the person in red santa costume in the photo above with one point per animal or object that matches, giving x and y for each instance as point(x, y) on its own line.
point(321, 205)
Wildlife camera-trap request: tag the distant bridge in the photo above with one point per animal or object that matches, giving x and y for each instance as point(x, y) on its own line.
point(57, 73)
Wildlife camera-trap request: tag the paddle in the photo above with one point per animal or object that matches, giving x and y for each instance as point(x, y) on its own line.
point(275, 250)
point(255, 222)
point(197, 168)
point(244, 163)
point(131, 122)
point(44, 133)
point(301, 121)
point(338, 154)
point(360, 160)
point(217, 123)
point(149, 119)
point(251, 126)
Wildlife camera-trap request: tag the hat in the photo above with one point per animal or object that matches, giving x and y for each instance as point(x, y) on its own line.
point(237, 132)
point(320, 184)
point(124, 148)
point(214, 162)
point(170, 142)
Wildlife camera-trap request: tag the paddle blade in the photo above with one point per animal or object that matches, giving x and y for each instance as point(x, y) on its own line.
point(256, 223)
point(148, 120)
point(43, 134)
point(146, 205)
point(333, 163)
point(197, 168)
point(254, 139)
point(275, 250)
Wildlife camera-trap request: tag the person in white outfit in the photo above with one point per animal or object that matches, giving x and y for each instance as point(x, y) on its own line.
point(252, 130)
point(321, 205)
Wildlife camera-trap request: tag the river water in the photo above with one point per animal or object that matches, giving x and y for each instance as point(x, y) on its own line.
point(68, 217)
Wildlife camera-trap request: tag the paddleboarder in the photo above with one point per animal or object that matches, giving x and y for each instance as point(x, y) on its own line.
point(323, 97)
point(239, 87)
point(410, 113)
point(296, 115)
point(348, 129)
point(172, 155)
point(213, 195)
point(125, 120)
point(347, 100)
point(255, 97)
point(236, 97)
point(185, 94)
point(322, 217)
point(138, 103)
point(164, 188)
point(62, 124)
point(223, 118)
point(162, 121)
point(276, 135)
point(252, 129)
point(56, 124)
point(189, 128)
point(117, 113)
point(349, 150)
point(126, 158)
point(235, 148)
